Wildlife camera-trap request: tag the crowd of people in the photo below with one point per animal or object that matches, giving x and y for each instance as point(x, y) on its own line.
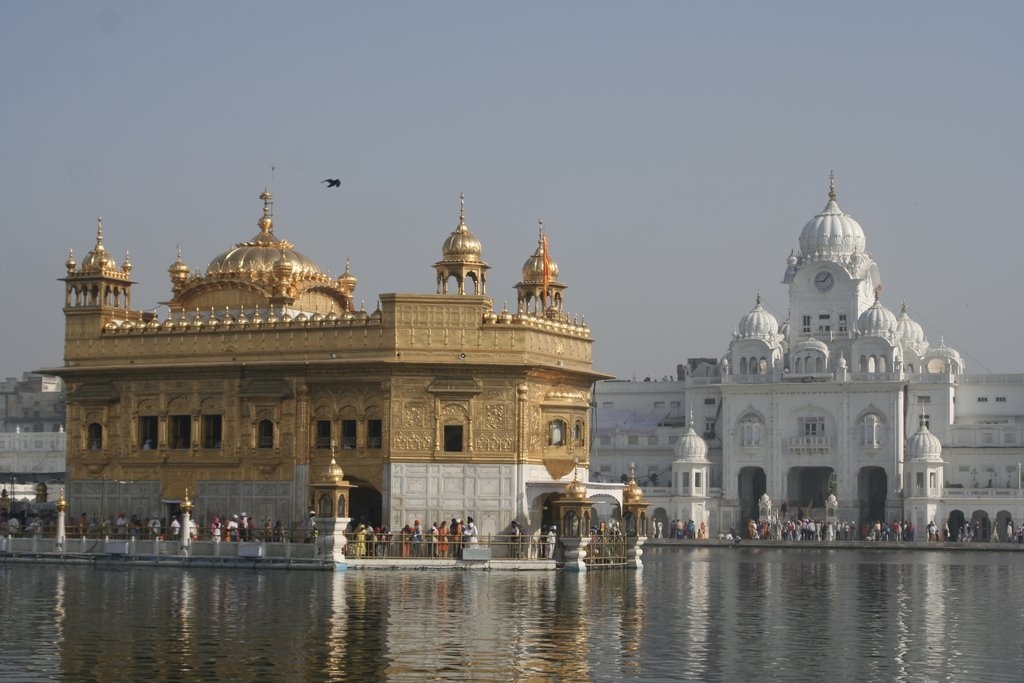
point(442, 540)
point(806, 528)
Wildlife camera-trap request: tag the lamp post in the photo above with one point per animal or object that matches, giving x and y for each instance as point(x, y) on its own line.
point(62, 506)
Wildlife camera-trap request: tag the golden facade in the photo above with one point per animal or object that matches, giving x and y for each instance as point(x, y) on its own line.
point(435, 405)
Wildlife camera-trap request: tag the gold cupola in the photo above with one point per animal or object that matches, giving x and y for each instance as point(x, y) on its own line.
point(259, 255)
point(98, 282)
point(178, 271)
point(540, 292)
point(460, 259)
point(347, 279)
point(98, 260)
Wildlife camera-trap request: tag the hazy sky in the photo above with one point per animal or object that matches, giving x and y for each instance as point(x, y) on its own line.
point(674, 150)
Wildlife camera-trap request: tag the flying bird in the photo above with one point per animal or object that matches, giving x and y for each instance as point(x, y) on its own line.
point(332, 182)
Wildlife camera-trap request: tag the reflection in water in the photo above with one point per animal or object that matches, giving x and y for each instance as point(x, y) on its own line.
point(691, 614)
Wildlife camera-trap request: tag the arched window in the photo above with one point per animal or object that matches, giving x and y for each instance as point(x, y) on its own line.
point(265, 434)
point(325, 506)
point(799, 365)
point(871, 364)
point(872, 431)
point(819, 364)
point(882, 364)
point(863, 365)
point(94, 436)
point(577, 433)
point(910, 368)
point(556, 433)
point(750, 432)
point(743, 366)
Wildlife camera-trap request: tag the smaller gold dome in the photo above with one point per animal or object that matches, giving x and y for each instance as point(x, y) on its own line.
point(283, 268)
point(70, 264)
point(632, 493)
point(62, 503)
point(178, 270)
point(533, 269)
point(126, 265)
point(576, 489)
point(333, 473)
point(461, 245)
point(347, 279)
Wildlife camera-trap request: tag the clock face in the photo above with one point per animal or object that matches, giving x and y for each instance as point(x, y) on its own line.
point(824, 281)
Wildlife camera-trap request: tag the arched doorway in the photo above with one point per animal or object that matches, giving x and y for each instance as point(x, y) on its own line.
point(660, 516)
point(365, 504)
point(1003, 519)
point(872, 486)
point(981, 526)
point(807, 489)
point(548, 515)
point(752, 485)
point(955, 523)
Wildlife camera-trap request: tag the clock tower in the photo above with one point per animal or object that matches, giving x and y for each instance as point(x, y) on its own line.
point(832, 279)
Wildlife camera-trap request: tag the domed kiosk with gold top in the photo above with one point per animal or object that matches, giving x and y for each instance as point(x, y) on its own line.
point(435, 404)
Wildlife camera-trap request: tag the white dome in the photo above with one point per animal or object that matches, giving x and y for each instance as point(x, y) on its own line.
point(758, 324)
point(877, 321)
point(923, 445)
point(691, 446)
point(947, 355)
point(908, 329)
point(831, 232)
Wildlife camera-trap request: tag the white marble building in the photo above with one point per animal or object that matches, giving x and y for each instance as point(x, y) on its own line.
point(844, 396)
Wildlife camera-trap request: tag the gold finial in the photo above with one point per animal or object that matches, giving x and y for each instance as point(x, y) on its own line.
point(186, 504)
point(832, 185)
point(462, 209)
point(540, 230)
point(99, 230)
point(758, 300)
point(266, 221)
point(878, 292)
point(632, 471)
point(62, 503)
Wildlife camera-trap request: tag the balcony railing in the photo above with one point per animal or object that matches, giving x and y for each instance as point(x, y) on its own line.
point(809, 445)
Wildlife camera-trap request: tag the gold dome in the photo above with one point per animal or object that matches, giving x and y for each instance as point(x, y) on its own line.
point(283, 268)
point(70, 264)
point(333, 473)
point(347, 279)
point(632, 493)
point(461, 245)
point(261, 253)
point(98, 259)
point(533, 269)
point(178, 270)
point(62, 503)
point(576, 489)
